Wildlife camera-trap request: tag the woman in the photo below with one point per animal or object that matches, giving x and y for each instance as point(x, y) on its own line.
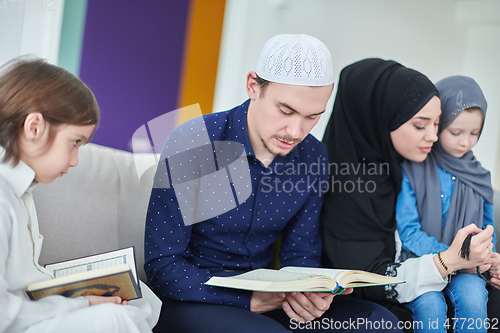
point(383, 113)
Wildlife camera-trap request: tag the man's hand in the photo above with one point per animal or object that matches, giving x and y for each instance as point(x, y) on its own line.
point(95, 300)
point(308, 306)
point(263, 302)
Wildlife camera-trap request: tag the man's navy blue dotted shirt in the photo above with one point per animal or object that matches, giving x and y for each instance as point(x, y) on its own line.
point(285, 200)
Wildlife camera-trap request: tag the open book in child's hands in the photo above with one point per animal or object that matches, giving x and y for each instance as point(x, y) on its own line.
point(302, 279)
point(106, 274)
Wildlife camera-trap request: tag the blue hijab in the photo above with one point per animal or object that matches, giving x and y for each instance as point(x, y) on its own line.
point(473, 182)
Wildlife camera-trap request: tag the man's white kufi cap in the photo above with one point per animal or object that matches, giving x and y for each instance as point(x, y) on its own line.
point(296, 59)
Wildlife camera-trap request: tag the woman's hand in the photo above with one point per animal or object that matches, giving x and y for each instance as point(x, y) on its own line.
point(495, 270)
point(95, 300)
point(482, 269)
point(480, 246)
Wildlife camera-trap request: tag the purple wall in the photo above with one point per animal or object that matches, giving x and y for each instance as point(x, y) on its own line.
point(132, 59)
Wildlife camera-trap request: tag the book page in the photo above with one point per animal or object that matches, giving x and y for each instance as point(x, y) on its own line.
point(330, 272)
point(91, 263)
point(271, 275)
point(347, 278)
point(271, 280)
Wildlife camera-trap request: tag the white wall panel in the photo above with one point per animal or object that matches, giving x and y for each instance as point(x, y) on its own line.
point(437, 38)
point(31, 30)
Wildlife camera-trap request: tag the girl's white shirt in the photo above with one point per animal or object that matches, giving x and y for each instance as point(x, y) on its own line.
point(20, 245)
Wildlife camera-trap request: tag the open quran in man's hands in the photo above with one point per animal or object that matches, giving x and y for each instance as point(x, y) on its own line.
point(302, 279)
point(106, 274)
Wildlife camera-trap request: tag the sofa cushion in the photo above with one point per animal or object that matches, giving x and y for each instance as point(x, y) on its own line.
point(100, 205)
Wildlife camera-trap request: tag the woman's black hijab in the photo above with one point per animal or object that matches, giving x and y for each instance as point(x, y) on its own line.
point(374, 97)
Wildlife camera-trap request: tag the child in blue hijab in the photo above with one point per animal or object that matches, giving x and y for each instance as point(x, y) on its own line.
point(441, 195)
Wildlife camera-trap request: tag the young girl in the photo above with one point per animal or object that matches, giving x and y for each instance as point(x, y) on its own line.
point(445, 193)
point(46, 114)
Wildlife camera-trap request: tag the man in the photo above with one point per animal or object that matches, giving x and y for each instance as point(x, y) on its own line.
point(229, 184)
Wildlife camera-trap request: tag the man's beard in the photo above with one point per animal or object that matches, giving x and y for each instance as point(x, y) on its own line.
point(282, 138)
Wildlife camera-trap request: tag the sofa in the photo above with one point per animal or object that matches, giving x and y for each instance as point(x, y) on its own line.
point(101, 205)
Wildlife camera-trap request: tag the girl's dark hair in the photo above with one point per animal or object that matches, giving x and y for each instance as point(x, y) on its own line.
point(33, 85)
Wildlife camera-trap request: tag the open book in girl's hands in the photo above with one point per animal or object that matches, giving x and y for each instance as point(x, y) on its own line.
point(106, 274)
point(302, 279)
